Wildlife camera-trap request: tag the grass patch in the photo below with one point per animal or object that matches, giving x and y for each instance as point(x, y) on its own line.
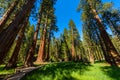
point(75, 71)
point(58, 71)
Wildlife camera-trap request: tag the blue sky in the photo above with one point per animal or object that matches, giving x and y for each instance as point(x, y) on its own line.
point(66, 10)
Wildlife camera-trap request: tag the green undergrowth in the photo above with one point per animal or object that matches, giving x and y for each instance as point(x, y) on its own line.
point(75, 71)
point(4, 73)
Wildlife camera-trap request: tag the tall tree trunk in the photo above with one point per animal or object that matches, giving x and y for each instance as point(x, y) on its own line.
point(41, 48)
point(68, 52)
point(45, 47)
point(109, 45)
point(90, 48)
point(6, 37)
point(73, 51)
point(73, 46)
point(12, 63)
point(98, 53)
point(8, 14)
point(48, 47)
point(42, 43)
point(30, 55)
point(107, 57)
point(91, 56)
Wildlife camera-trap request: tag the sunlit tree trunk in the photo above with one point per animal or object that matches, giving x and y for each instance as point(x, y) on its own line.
point(73, 51)
point(42, 43)
point(41, 48)
point(30, 55)
point(45, 51)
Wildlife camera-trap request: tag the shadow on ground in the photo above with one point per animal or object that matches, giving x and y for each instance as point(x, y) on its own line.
point(111, 71)
point(58, 71)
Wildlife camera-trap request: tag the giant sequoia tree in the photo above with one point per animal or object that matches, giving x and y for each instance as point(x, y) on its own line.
point(6, 39)
point(91, 7)
point(7, 14)
point(13, 60)
point(111, 17)
point(87, 37)
point(48, 9)
point(30, 54)
point(74, 38)
point(20, 42)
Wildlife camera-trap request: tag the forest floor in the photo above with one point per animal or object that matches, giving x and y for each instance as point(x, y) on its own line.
point(66, 71)
point(75, 71)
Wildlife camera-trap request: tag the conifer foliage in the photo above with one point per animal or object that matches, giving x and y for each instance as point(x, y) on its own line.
point(26, 44)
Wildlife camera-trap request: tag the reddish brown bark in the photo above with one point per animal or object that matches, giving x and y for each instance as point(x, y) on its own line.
point(107, 57)
point(13, 29)
point(42, 44)
point(41, 48)
point(109, 45)
point(8, 14)
point(73, 51)
point(48, 49)
point(48, 45)
point(12, 63)
point(29, 58)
